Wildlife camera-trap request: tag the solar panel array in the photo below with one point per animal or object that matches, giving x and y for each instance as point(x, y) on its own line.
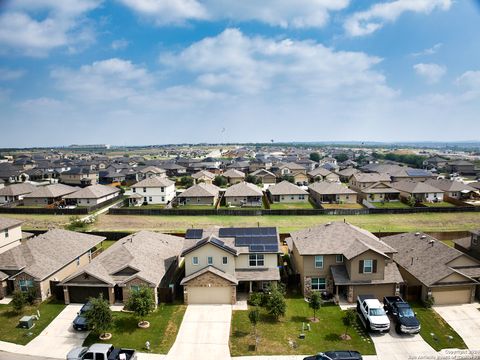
point(194, 234)
point(417, 172)
point(261, 239)
point(218, 242)
point(258, 231)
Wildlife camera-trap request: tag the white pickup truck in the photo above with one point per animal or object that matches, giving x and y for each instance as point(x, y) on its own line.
point(372, 314)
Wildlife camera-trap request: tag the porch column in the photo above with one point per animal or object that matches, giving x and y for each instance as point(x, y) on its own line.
point(66, 295)
point(250, 286)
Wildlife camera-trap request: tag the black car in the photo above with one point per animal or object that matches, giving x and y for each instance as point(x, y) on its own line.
point(80, 322)
point(336, 355)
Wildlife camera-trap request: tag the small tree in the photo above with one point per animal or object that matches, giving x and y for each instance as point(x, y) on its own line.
point(411, 201)
point(315, 303)
point(315, 156)
point(254, 317)
point(99, 316)
point(276, 304)
point(141, 302)
point(18, 301)
point(186, 181)
point(30, 296)
point(288, 178)
point(220, 181)
point(348, 320)
point(252, 179)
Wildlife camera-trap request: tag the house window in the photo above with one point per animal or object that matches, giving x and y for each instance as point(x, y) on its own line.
point(256, 260)
point(150, 198)
point(368, 266)
point(319, 262)
point(195, 260)
point(144, 189)
point(134, 190)
point(134, 288)
point(318, 284)
point(78, 261)
point(301, 197)
point(6, 233)
point(339, 258)
point(209, 260)
point(162, 189)
point(25, 285)
point(225, 260)
point(163, 198)
point(145, 199)
point(88, 201)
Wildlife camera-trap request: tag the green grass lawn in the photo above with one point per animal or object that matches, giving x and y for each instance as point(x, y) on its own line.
point(164, 325)
point(151, 206)
point(390, 205)
point(287, 206)
point(9, 320)
point(439, 204)
point(195, 207)
point(432, 322)
point(107, 243)
point(275, 336)
point(343, 206)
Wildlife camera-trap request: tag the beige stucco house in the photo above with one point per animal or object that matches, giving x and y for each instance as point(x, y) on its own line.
point(286, 192)
point(329, 192)
point(200, 194)
point(244, 194)
point(203, 176)
point(234, 176)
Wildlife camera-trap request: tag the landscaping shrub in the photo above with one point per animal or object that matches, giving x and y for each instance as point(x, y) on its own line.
point(276, 304)
point(18, 301)
point(30, 296)
point(141, 302)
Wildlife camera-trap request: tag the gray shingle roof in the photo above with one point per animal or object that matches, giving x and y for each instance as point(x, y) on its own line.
point(371, 177)
point(233, 173)
point(257, 274)
point(286, 188)
point(413, 187)
point(329, 188)
point(52, 191)
point(243, 189)
point(380, 188)
point(391, 275)
point(45, 254)
point(423, 256)
point(7, 223)
point(212, 270)
point(203, 173)
point(17, 189)
point(93, 192)
point(449, 185)
point(320, 171)
point(200, 190)
point(154, 182)
point(338, 238)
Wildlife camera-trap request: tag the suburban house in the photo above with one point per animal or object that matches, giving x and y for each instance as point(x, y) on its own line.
point(379, 192)
point(268, 178)
point(153, 190)
point(234, 176)
point(344, 260)
point(422, 192)
point(431, 268)
point(92, 195)
point(454, 189)
point(142, 259)
point(243, 194)
point(110, 176)
point(80, 176)
point(221, 262)
point(322, 174)
point(10, 233)
point(470, 245)
point(297, 171)
point(203, 176)
point(46, 195)
point(150, 171)
point(15, 192)
point(327, 192)
point(286, 192)
point(359, 181)
point(463, 167)
point(200, 194)
point(41, 262)
point(173, 169)
point(12, 173)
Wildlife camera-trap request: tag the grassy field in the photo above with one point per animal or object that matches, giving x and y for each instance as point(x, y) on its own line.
point(275, 336)
point(391, 205)
point(439, 204)
point(432, 323)
point(9, 320)
point(342, 206)
point(296, 205)
point(164, 325)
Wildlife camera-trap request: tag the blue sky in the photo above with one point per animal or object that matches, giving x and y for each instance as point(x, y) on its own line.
point(173, 71)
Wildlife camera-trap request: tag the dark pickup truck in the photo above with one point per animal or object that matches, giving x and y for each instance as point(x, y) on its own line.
point(405, 320)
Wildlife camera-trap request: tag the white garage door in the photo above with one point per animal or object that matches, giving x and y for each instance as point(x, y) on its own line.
point(209, 295)
point(452, 296)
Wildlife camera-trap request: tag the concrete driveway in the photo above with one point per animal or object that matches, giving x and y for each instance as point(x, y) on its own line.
point(59, 337)
point(465, 320)
point(204, 334)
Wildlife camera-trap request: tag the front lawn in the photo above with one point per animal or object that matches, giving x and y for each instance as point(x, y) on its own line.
point(390, 205)
point(276, 337)
point(9, 331)
point(288, 206)
point(164, 325)
point(432, 323)
point(438, 204)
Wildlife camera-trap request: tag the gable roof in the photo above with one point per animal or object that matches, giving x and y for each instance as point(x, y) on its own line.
point(450, 185)
point(200, 190)
point(233, 173)
point(203, 173)
point(212, 270)
point(424, 257)
point(338, 238)
point(286, 188)
point(320, 171)
point(154, 182)
point(7, 223)
point(17, 189)
point(152, 169)
point(52, 191)
point(330, 188)
point(262, 172)
point(292, 166)
point(371, 177)
point(414, 187)
point(93, 192)
point(210, 240)
point(243, 189)
point(380, 188)
point(45, 254)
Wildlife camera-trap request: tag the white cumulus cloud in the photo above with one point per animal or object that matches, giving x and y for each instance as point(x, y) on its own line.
point(431, 72)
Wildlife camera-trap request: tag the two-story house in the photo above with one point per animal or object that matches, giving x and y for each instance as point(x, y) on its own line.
point(154, 190)
point(344, 260)
point(221, 262)
point(82, 176)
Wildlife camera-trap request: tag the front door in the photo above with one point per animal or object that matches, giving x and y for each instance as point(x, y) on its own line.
point(118, 294)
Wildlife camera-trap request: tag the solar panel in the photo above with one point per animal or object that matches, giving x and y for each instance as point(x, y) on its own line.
point(218, 242)
point(257, 248)
point(194, 234)
point(417, 172)
point(253, 232)
point(271, 248)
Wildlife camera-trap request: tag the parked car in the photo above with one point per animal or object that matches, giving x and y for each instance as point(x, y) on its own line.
point(101, 351)
point(80, 322)
point(372, 313)
point(336, 355)
point(405, 319)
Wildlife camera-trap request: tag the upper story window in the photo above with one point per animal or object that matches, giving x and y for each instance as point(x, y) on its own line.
point(368, 266)
point(6, 233)
point(134, 190)
point(209, 260)
point(144, 189)
point(225, 260)
point(319, 262)
point(162, 189)
point(195, 260)
point(256, 260)
point(339, 258)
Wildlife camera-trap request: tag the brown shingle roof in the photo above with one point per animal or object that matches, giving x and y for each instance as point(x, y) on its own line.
point(7, 223)
point(390, 275)
point(52, 191)
point(286, 188)
point(93, 192)
point(212, 270)
point(203, 173)
point(233, 173)
point(17, 189)
point(154, 182)
point(329, 188)
point(200, 190)
point(243, 189)
point(413, 187)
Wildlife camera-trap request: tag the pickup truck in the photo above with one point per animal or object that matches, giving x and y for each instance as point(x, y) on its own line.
point(372, 314)
point(405, 320)
point(101, 352)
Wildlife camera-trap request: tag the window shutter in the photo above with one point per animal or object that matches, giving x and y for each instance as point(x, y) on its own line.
point(360, 267)
point(374, 266)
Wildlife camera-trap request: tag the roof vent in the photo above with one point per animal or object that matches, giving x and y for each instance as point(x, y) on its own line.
point(431, 242)
point(328, 223)
point(417, 234)
point(423, 237)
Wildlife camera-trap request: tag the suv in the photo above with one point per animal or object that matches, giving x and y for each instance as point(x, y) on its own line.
point(336, 355)
point(80, 322)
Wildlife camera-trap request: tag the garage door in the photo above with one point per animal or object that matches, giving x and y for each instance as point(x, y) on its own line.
point(452, 296)
point(81, 294)
point(209, 295)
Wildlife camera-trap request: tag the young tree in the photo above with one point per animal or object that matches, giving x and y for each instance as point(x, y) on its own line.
point(276, 304)
point(186, 181)
point(18, 301)
point(315, 303)
point(254, 317)
point(288, 178)
point(315, 156)
point(99, 316)
point(252, 179)
point(141, 302)
point(220, 181)
point(411, 201)
point(341, 157)
point(349, 319)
